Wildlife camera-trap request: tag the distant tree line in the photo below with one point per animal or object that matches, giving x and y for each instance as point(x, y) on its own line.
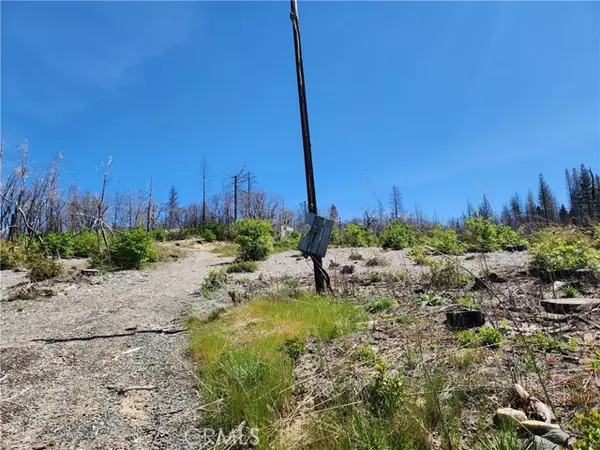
point(33, 203)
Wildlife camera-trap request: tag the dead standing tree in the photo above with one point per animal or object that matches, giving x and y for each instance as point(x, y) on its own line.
point(236, 178)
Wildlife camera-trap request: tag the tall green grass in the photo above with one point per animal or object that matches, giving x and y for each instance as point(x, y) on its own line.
point(245, 373)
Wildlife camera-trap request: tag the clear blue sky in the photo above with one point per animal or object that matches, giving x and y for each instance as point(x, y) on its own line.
point(445, 100)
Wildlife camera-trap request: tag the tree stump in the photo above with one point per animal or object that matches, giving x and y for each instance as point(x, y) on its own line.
point(569, 305)
point(464, 319)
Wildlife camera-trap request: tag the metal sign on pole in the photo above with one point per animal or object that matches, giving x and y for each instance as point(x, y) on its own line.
point(308, 166)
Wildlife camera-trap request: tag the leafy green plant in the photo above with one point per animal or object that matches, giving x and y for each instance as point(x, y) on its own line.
point(430, 300)
point(84, 243)
point(507, 237)
point(419, 255)
point(365, 354)
point(481, 235)
point(58, 245)
point(355, 256)
point(588, 427)
point(375, 278)
point(504, 439)
point(214, 280)
point(160, 234)
point(445, 274)
point(381, 304)
point(293, 347)
point(254, 236)
point(546, 343)
point(133, 249)
point(467, 339)
point(443, 240)
point(571, 292)
point(490, 337)
point(208, 235)
point(42, 268)
point(242, 267)
point(468, 301)
point(354, 235)
point(12, 256)
point(398, 235)
point(385, 392)
point(557, 250)
point(403, 319)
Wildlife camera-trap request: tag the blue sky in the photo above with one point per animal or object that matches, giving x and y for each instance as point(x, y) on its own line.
point(446, 100)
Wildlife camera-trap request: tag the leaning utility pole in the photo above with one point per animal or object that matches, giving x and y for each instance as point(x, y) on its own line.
point(308, 166)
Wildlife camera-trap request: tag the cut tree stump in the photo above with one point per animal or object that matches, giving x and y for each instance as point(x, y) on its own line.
point(464, 319)
point(569, 305)
point(91, 272)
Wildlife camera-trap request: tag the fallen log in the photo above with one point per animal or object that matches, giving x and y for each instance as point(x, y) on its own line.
point(569, 305)
point(108, 336)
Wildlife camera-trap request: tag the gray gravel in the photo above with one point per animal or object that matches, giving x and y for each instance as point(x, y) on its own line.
point(62, 394)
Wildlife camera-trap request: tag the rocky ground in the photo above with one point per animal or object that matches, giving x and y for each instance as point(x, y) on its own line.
point(137, 391)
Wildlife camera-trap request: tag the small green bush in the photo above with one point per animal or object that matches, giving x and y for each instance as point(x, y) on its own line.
point(254, 236)
point(354, 235)
point(385, 392)
point(481, 235)
point(375, 278)
point(365, 354)
point(443, 240)
point(419, 255)
point(490, 337)
point(445, 274)
point(160, 234)
point(214, 280)
point(430, 300)
point(242, 267)
point(571, 292)
point(42, 268)
point(11, 256)
point(381, 304)
point(398, 235)
point(467, 339)
point(294, 348)
point(132, 249)
point(507, 237)
point(221, 232)
point(208, 235)
point(588, 427)
point(85, 243)
point(58, 245)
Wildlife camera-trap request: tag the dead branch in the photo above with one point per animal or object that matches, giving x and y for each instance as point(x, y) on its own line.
point(114, 335)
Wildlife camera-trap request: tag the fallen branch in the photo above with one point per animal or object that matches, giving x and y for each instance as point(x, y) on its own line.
point(122, 390)
point(108, 336)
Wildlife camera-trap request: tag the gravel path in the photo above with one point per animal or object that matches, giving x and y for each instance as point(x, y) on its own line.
point(66, 395)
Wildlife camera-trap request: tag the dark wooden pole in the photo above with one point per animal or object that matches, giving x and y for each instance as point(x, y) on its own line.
point(308, 165)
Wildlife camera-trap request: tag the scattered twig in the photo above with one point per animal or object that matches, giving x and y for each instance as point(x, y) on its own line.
point(122, 390)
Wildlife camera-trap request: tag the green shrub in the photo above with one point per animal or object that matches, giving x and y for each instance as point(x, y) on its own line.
point(490, 337)
point(375, 278)
point(11, 256)
point(481, 235)
point(160, 234)
point(558, 249)
point(132, 249)
point(293, 347)
point(381, 304)
point(571, 292)
point(85, 243)
point(42, 268)
point(214, 280)
point(208, 235)
point(385, 392)
point(354, 235)
point(507, 237)
point(419, 255)
point(467, 339)
point(365, 354)
point(254, 236)
point(58, 245)
point(443, 240)
point(430, 300)
point(445, 274)
point(288, 243)
point(221, 232)
point(242, 267)
point(588, 427)
point(398, 235)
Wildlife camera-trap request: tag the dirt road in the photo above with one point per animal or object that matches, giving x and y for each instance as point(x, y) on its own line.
point(67, 395)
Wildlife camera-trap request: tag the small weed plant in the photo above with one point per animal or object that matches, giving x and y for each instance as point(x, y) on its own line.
point(379, 305)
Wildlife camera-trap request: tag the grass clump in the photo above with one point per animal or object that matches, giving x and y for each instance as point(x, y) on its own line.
point(398, 235)
point(468, 339)
point(242, 267)
point(226, 250)
point(365, 354)
point(377, 261)
point(375, 278)
point(254, 236)
point(245, 375)
point(446, 274)
point(485, 337)
point(355, 256)
point(382, 304)
point(504, 439)
point(214, 280)
point(293, 347)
